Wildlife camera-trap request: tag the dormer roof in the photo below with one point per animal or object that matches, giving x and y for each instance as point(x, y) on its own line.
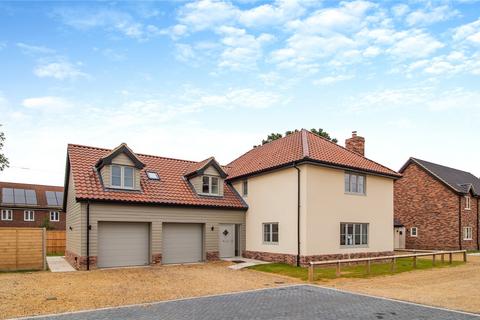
point(122, 148)
point(198, 168)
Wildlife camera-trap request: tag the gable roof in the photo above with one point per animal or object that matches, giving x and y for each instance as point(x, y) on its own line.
point(460, 181)
point(198, 168)
point(302, 146)
point(171, 189)
point(40, 192)
point(122, 148)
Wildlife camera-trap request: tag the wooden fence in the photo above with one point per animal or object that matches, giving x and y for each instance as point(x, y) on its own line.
point(56, 241)
point(392, 259)
point(22, 249)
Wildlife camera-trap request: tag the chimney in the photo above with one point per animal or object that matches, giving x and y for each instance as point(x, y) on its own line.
point(356, 144)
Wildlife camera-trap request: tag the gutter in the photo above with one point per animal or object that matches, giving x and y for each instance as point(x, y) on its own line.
point(460, 222)
point(298, 213)
point(88, 235)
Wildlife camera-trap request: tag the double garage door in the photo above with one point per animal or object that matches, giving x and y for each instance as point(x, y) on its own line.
point(128, 243)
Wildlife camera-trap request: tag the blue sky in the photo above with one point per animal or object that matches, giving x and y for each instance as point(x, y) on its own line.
point(195, 79)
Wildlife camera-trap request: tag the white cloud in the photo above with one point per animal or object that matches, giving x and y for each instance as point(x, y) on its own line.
point(400, 10)
point(59, 70)
point(47, 103)
point(414, 44)
point(332, 79)
point(455, 62)
point(3, 45)
point(431, 15)
point(468, 33)
point(207, 14)
point(272, 14)
point(32, 49)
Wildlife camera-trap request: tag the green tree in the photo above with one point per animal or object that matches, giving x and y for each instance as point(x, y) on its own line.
point(319, 132)
point(3, 159)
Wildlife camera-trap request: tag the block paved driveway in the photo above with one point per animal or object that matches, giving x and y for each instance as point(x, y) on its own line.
point(293, 302)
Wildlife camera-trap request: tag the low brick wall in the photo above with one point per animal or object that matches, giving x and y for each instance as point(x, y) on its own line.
point(213, 256)
point(80, 262)
point(156, 259)
point(271, 257)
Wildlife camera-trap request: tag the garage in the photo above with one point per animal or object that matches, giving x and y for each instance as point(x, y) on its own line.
point(182, 242)
point(123, 244)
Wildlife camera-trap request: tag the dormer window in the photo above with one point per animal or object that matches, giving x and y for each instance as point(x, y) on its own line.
point(210, 185)
point(122, 177)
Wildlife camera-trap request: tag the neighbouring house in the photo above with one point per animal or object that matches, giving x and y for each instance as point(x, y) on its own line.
point(293, 200)
point(31, 205)
point(436, 207)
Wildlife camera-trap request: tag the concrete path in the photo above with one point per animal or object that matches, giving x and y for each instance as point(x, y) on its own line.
point(59, 264)
point(246, 262)
point(300, 302)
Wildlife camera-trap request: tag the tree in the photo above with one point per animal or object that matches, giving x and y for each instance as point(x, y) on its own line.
point(319, 132)
point(3, 159)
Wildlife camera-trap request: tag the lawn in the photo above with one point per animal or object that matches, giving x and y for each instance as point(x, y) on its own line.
point(356, 271)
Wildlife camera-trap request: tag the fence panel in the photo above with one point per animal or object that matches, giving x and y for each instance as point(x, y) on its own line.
point(22, 249)
point(56, 241)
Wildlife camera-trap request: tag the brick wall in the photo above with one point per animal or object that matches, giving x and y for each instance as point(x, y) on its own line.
point(40, 215)
point(422, 201)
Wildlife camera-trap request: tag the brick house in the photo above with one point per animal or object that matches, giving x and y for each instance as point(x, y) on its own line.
point(31, 205)
point(438, 206)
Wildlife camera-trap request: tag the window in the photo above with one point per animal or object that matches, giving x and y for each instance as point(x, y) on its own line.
point(29, 215)
point(122, 177)
point(7, 215)
point(54, 216)
point(210, 185)
point(413, 232)
point(468, 205)
point(467, 233)
point(270, 233)
point(245, 188)
point(54, 198)
point(354, 183)
point(153, 175)
point(353, 234)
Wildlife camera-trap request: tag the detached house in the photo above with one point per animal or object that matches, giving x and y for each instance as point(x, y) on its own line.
point(436, 207)
point(293, 200)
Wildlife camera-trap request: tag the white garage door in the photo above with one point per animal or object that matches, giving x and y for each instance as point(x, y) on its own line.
point(123, 244)
point(182, 242)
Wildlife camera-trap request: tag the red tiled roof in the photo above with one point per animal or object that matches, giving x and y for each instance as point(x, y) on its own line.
point(40, 190)
point(172, 189)
point(196, 166)
point(301, 146)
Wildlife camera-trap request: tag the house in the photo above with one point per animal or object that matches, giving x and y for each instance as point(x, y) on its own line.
point(437, 207)
point(31, 205)
point(293, 200)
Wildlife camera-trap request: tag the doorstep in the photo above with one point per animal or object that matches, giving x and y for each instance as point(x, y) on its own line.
point(244, 264)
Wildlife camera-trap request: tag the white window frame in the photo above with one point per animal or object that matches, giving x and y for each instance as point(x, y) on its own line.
point(345, 234)
point(7, 214)
point(357, 175)
point(57, 213)
point(468, 203)
point(467, 233)
point(122, 177)
point(414, 234)
point(25, 215)
point(210, 185)
point(270, 232)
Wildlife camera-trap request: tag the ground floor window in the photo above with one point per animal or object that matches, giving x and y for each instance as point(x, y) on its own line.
point(29, 215)
point(54, 216)
point(413, 231)
point(467, 233)
point(354, 234)
point(7, 215)
point(270, 232)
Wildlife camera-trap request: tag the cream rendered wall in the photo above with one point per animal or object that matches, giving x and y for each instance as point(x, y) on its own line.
point(328, 206)
point(272, 197)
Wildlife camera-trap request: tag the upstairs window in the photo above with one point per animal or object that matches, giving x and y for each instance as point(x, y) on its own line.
point(354, 183)
point(29, 215)
point(54, 216)
point(210, 185)
point(7, 215)
point(468, 205)
point(245, 188)
point(122, 177)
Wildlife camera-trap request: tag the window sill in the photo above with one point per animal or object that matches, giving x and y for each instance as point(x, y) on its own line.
point(354, 246)
point(210, 195)
point(467, 239)
point(270, 243)
point(355, 194)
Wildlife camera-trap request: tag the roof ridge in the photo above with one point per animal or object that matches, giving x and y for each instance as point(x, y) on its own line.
point(305, 148)
point(441, 165)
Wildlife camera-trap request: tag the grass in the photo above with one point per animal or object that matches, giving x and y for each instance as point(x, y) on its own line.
point(55, 254)
point(355, 271)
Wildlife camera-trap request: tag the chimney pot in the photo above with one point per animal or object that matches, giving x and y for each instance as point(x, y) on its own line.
point(356, 144)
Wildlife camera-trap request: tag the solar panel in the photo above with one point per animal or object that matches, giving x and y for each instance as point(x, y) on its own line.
point(31, 196)
point(7, 195)
point(59, 198)
point(19, 195)
point(51, 198)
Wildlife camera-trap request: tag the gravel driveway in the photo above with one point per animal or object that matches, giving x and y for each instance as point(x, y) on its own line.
point(302, 302)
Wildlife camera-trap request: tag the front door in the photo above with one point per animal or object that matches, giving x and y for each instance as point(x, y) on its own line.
point(399, 237)
point(227, 240)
